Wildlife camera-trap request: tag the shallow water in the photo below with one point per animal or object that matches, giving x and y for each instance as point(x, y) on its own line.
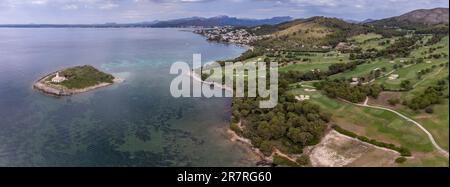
point(134, 123)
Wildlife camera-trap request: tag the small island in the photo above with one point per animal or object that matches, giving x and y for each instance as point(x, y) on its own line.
point(74, 80)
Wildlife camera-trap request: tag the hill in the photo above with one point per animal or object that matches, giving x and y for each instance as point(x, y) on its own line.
point(416, 19)
point(315, 32)
point(220, 21)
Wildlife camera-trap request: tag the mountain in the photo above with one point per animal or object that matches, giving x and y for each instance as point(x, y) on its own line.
point(351, 21)
point(220, 21)
point(417, 18)
point(367, 21)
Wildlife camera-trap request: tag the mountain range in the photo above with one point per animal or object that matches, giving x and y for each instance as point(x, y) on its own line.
point(220, 21)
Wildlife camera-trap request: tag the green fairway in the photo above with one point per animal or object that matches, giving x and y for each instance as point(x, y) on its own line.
point(438, 122)
point(365, 69)
point(377, 124)
point(304, 67)
point(319, 61)
point(410, 73)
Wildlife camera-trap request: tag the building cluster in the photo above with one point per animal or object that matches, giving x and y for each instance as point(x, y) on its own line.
point(228, 34)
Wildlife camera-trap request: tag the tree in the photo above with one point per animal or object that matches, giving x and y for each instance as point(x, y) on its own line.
point(298, 136)
point(429, 110)
point(400, 160)
point(266, 147)
point(264, 130)
point(406, 85)
point(393, 101)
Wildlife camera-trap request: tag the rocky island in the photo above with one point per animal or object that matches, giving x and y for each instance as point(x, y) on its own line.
point(74, 80)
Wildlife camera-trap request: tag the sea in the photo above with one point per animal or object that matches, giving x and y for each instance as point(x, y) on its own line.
point(134, 123)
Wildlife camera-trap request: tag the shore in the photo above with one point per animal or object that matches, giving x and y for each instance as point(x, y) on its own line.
point(57, 90)
point(196, 77)
point(261, 159)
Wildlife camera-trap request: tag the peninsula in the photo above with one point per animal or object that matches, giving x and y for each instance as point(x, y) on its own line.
point(74, 80)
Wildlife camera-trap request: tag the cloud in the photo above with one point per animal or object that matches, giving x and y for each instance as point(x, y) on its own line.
point(26, 11)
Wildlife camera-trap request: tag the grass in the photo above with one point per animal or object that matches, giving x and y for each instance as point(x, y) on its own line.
point(444, 43)
point(318, 61)
point(84, 76)
point(362, 38)
point(305, 67)
point(436, 123)
point(377, 124)
point(373, 42)
point(364, 69)
point(410, 73)
point(388, 127)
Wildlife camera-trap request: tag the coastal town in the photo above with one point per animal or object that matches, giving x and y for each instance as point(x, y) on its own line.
point(229, 34)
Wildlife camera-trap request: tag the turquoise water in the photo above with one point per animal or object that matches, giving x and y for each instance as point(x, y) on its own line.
point(134, 123)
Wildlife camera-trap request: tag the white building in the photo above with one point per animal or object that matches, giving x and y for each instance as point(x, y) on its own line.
point(58, 79)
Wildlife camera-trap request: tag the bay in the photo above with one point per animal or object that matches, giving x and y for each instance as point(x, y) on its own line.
point(134, 123)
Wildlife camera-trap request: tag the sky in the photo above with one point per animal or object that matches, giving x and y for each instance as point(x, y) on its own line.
point(130, 11)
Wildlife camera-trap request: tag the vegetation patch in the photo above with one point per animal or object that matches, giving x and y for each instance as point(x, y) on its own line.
point(84, 76)
point(283, 161)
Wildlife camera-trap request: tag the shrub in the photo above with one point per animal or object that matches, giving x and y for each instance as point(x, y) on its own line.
point(393, 101)
point(303, 160)
point(282, 161)
point(266, 147)
point(429, 110)
point(234, 127)
point(400, 160)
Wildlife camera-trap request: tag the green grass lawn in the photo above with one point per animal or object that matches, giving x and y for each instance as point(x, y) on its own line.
point(366, 37)
point(318, 61)
point(387, 126)
point(377, 124)
point(305, 67)
point(438, 122)
point(365, 69)
point(410, 73)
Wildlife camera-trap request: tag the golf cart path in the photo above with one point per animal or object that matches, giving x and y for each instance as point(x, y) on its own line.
point(443, 151)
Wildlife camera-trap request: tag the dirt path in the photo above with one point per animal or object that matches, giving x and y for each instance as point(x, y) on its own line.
point(443, 151)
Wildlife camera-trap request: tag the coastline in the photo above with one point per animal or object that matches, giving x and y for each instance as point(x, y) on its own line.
point(59, 91)
point(197, 78)
point(262, 160)
point(254, 152)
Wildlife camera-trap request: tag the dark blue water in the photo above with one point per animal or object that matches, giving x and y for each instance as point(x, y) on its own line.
point(134, 123)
